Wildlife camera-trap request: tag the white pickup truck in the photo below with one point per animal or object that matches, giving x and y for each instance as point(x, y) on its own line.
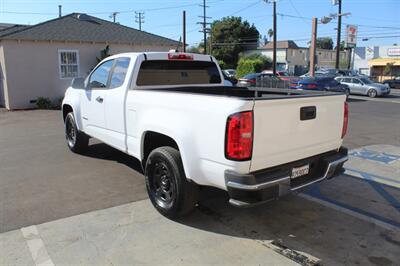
point(173, 113)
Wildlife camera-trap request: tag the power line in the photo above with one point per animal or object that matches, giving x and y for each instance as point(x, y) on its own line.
point(297, 12)
point(107, 12)
point(244, 8)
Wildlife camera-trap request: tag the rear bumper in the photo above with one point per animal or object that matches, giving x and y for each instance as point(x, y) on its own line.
point(268, 184)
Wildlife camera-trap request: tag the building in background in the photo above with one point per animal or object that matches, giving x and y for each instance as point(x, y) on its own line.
point(373, 60)
point(41, 60)
point(296, 60)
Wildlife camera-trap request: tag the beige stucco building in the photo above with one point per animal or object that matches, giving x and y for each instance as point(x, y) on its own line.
point(41, 60)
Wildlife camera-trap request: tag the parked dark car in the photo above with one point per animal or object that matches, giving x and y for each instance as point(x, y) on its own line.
point(266, 80)
point(248, 80)
point(320, 84)
point(393, 83)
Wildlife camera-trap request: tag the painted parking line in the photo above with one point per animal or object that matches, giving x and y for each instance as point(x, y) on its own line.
point(380, 163)
point(379, 167)
point(36, 246)
point(367, 176)
point(353, 211)
point(381, 157)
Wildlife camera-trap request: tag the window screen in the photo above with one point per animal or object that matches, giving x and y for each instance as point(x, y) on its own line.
point(119, 72)
point(68, 62)
point(163, 72)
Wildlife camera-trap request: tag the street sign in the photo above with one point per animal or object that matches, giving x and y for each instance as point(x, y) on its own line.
point(335, 2)
point(351, 36)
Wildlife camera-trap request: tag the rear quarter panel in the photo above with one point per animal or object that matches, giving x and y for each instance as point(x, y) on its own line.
point(196, 122)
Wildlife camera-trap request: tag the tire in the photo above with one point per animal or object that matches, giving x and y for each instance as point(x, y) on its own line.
point(372, 93)
point(77, 141)
point(168, 189)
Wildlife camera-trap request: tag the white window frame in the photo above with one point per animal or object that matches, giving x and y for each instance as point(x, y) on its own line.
point(59, 62)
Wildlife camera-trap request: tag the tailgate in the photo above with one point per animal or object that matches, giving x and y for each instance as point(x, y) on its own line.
point(281, 136)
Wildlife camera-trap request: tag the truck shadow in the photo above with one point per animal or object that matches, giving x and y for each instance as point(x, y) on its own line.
point(293, 224)
point(104, 152)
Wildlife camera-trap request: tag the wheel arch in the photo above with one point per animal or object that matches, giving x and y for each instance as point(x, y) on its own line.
point(66, 108)
point(152, 140)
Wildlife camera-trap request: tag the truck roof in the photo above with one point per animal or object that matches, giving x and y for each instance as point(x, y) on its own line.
point(163, 55)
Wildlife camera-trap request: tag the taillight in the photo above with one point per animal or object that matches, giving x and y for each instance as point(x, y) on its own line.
point(345, 119)
point(312, 86)
point(251, 81)
point(180, 57)
point(239, 136)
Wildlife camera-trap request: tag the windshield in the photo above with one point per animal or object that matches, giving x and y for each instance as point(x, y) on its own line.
point(366, 81)
point(174, 72)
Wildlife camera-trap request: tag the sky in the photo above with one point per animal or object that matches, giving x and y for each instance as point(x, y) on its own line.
point(377, 20)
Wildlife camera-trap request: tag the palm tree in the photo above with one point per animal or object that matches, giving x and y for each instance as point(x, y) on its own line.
point(270, 33)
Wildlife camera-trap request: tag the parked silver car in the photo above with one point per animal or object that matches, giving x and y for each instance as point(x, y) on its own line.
point(364, 86)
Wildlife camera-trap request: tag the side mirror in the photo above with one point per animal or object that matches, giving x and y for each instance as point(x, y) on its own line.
point(78, 83)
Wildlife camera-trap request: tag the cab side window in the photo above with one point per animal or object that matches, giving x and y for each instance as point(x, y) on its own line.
point(119, 72)
point(99, 78)
point(356, 81)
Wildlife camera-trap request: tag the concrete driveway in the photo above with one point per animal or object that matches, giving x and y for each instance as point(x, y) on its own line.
point(62, 208)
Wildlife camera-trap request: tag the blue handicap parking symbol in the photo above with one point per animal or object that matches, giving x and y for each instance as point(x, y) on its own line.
point(375, 156)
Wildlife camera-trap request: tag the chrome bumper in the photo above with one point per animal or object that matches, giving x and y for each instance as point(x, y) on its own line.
point(262, 186)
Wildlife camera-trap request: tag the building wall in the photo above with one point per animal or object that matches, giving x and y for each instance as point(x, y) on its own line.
point(327, 58)
point(298, 57)
point(33, 67)
point(363, 54)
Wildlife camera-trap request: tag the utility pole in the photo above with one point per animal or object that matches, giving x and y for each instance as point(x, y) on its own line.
point(274, 43)
point(59, 11)
point(274, 36)
point(204, 25)
point(184, 31)
point(139, 18)
point(313, 46)
point(339, 28)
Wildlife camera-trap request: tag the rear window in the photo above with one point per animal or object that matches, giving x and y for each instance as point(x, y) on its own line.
point(251, 76)
point(162, 72)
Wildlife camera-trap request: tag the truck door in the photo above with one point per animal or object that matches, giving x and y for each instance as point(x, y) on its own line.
point(115, 105)
point(93, 100)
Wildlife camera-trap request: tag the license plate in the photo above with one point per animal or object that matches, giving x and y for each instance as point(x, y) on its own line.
point(300, 171)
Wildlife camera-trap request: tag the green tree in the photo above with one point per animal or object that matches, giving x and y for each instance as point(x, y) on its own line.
point(270, 33)
point(325, 43)
point(388, 70)
point(230, 36)
point(103, 54)
point(196, 49)
point(252, 64)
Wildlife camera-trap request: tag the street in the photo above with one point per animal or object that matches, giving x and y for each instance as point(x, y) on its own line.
point(93, 208)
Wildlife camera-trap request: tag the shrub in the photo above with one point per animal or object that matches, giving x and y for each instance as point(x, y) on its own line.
point(252, 64)
point(221, 64)
point(43, 103)
point(58, 102)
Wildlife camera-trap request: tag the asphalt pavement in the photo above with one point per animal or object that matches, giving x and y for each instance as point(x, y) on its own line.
point(93, 208)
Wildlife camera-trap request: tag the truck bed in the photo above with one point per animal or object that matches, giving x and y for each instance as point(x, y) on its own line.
point(256, 93)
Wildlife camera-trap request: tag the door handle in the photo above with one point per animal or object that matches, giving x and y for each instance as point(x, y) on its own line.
point(99, 99)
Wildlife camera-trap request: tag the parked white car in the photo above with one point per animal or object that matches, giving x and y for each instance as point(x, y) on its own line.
point(173, 113)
